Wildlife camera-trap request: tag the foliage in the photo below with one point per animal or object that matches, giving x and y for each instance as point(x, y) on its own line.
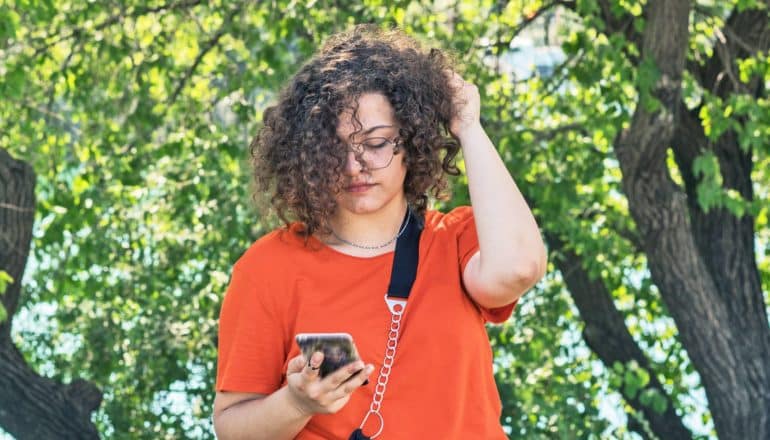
point(5, 279)
point(137, 117)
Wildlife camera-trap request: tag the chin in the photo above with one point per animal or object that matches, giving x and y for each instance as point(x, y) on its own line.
point(361, 206)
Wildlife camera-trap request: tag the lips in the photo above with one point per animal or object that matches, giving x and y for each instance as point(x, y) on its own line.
point(358, 187)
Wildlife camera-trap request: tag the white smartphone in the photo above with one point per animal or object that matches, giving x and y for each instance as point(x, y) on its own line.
point(338, 349)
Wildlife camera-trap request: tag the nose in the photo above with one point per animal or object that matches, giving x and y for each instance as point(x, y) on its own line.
point(352, 165)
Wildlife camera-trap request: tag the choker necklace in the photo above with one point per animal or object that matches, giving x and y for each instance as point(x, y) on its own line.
point(401, 231)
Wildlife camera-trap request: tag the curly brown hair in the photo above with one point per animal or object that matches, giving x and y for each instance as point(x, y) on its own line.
point(297, 155)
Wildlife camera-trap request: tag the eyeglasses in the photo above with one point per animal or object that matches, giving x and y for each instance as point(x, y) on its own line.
point(376, 152)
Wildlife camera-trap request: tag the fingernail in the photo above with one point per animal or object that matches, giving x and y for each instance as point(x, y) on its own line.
point(369, 369)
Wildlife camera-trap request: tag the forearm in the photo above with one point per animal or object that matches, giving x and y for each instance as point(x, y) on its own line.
point(511, 248)
point(273, 417)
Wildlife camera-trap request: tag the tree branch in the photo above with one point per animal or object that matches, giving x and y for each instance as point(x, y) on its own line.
point(136, 12)
point(527, 20)
point(745, 33)
point(724, 53)
point(205, 48)
point(550, 133)
point(605, 332)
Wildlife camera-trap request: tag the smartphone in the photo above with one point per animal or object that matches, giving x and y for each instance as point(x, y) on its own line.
point(338, 349)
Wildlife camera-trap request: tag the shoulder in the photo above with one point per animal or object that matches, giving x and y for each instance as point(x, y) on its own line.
point(272, 253)
point(455, 219)
point(262, 271)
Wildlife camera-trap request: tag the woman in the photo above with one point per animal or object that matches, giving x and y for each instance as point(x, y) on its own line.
point(350, 153)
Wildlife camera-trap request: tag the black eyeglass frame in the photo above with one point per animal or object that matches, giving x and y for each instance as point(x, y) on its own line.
point(358, 151)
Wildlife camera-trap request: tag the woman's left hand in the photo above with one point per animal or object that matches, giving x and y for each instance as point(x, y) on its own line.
point(467, 102)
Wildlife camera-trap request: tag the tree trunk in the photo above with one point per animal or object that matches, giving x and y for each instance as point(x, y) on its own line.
point(725, 241)
point(31, 406)
point(706, 295)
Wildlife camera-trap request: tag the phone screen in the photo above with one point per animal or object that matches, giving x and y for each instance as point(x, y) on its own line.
point(338, 349)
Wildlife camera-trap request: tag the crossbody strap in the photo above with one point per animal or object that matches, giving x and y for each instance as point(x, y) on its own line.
point(402, 276)
point(406, 257)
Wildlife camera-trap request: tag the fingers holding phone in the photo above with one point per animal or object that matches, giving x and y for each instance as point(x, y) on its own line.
point(312, 369)
point(322, 379)
point(307, 367)
point(338, 350)
point(344, 381)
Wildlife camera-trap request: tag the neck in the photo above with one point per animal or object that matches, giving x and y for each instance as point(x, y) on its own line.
point(370, 229)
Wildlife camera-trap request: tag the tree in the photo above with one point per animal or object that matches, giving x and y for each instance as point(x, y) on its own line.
point(124, 190)
point(696, 232)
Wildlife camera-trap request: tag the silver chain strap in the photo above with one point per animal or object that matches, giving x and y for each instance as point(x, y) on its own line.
point(396, 307)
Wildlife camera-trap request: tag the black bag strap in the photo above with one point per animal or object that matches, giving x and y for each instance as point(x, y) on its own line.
point(406, 257)
point(402, 276)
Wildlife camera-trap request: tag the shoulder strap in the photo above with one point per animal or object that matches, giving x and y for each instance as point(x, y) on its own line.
point(401, 280)
point(406, 257)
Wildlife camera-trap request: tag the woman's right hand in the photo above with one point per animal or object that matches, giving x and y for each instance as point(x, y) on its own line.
point(313, 395)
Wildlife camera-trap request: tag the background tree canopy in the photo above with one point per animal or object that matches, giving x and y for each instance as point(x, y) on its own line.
point(640, 139)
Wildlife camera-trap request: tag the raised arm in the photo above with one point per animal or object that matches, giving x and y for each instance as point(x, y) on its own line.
point(512, 256)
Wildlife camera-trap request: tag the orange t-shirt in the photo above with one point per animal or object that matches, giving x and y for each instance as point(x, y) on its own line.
point(441, 385)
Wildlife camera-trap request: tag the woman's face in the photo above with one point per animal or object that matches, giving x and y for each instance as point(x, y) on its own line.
point(370, 190)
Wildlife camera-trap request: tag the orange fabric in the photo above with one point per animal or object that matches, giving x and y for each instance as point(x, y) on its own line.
point(441, 385)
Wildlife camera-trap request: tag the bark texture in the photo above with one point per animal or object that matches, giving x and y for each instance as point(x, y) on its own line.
point(31, 406)
point(703, 264)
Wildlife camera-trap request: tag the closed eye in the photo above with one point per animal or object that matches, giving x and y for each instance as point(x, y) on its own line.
point(375, 143)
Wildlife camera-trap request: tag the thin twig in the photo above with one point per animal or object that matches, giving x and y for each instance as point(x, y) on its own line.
point(724, 54)
point(547, 135)
point(137, 12)
point(730, 32)
point(15, 208)
point(528, 20)
point(206, 48)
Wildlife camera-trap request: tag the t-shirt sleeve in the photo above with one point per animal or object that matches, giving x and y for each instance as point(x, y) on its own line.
point(467, 246)
point(251, 350)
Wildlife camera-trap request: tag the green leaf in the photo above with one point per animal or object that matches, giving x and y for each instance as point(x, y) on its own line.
point(647, 79)
point(5, 280)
